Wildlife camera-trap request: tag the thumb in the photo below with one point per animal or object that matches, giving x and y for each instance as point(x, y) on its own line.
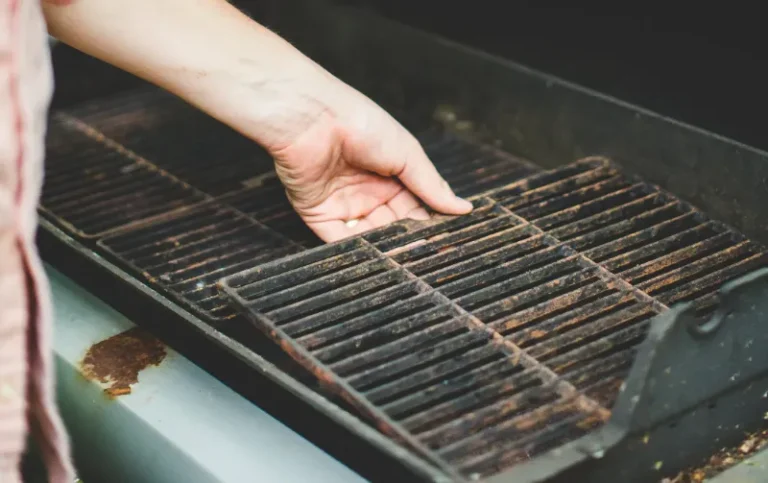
point(386, 147)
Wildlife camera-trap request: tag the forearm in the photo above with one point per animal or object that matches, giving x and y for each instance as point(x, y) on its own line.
point(205, 51)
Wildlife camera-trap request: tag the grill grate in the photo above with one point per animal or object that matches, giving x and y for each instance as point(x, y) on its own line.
point(481, 341)
point(484, 340)
point(93, 190)
point(183, 200)
point(177, 157)
point(185, 255)
point(178, 138)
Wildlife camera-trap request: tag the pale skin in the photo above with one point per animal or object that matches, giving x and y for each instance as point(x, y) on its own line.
point(346, 164)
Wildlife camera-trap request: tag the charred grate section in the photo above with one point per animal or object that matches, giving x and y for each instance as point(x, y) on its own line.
point(659, 244)
point(92, 189)
point(472, 169)
point(183, 200)
point(158, 131)
point(430, 371)
point(484, 340)
point(178, 138)
point(186, 255)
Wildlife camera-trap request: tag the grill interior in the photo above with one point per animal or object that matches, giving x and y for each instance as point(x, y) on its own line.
point(485, 340)
point(480, 341)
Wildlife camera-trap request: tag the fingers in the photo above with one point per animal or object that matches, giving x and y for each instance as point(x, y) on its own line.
point(387, 148)
point(420, 176)
point(331, 231)
point(383, 215)
point(405, 205)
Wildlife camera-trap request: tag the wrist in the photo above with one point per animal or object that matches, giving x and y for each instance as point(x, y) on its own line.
point(270, 100)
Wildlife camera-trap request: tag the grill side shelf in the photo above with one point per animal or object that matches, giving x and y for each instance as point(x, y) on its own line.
point(487, 340)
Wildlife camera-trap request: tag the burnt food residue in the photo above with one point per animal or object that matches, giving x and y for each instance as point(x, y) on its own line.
point(118, 360)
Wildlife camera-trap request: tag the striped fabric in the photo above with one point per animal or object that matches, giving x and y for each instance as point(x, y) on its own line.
point(26, 384)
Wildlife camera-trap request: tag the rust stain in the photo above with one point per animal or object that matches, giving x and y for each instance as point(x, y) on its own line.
point(118, 360)
point(538, 333)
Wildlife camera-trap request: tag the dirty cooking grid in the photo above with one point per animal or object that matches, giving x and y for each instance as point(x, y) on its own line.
point(480, 341)
point(485, 340)
point(183, 200)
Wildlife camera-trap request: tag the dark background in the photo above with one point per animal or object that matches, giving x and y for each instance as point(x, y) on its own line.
point(699, 65)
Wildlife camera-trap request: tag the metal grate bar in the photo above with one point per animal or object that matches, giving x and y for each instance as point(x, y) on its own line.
point(428, 325)
point(191, 145)
point(451, 398)
point(381, 288)
point(564, 422)
point(267, 202)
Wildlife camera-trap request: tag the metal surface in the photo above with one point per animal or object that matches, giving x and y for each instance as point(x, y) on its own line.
point(690, 393)
point(264, 376)
point(483, 341)
point(181, 253)
point(93, 189)
point(179, 423)
point(188, 253)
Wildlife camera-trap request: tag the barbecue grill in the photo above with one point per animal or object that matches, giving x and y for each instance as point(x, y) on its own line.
point(597, 316)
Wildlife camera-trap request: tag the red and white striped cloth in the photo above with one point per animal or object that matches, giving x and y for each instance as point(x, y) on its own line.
point(26, 372)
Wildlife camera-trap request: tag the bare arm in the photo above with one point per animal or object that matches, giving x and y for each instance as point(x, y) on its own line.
point(321, 132)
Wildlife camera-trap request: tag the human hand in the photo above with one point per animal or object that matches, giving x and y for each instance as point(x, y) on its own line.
point(352, 167)
point(347, 165)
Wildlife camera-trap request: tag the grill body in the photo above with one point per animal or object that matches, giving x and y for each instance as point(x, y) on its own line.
point(527, 321)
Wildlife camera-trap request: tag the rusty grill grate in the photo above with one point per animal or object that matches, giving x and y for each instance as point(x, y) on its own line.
point(183, 200)
point(480, 341)
point(178, 138)
point(92, 189)
point(485, 340)
point(187, 254)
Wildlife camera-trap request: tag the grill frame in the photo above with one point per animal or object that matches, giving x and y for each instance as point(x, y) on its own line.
point(555, 122)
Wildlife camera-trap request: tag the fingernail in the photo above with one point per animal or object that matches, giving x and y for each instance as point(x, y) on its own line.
point(467, 205)
point(419, 214)
point(352, 223)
